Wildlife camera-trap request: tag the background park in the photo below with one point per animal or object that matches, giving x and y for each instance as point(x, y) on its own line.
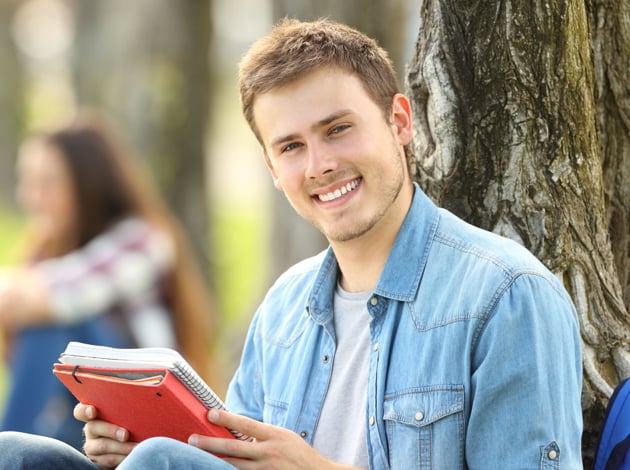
point(522, 123)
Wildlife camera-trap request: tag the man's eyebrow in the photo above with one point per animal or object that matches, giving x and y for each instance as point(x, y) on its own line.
point(333, 117)
point(319, 124)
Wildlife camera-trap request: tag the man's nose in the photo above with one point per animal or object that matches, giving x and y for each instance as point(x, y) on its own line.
point(321, 160)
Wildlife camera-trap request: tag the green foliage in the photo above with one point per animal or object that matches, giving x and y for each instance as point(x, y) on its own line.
point(240, 253)
point(11, 227)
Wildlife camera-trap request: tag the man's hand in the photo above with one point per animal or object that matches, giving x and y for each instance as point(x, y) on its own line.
point(271, 447)
point(105, 443)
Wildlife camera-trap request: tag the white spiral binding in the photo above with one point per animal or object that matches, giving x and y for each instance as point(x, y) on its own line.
point(201, 390)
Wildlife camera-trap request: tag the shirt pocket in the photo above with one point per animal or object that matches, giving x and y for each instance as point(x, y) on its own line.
point(275, 412)
point(425, 427)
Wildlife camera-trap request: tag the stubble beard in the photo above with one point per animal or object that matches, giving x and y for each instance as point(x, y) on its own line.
point(355, 230)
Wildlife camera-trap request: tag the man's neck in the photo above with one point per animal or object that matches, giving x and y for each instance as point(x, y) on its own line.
point(361, 260)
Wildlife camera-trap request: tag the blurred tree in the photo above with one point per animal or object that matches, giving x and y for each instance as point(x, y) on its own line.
point(384, 20)
point(294, 239)
point(147, 63)
point(11, 102)
point(515, 120)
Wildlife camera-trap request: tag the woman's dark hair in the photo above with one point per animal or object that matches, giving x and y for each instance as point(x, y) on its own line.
point(100, 176)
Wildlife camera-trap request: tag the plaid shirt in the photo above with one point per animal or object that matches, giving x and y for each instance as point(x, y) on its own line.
point(119, 270)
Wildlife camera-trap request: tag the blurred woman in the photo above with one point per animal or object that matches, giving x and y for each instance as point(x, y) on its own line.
point(107, 265)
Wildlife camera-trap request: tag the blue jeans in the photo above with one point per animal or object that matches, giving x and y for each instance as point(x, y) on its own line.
point(164, 453)
point(27, 451)
point(30, 451)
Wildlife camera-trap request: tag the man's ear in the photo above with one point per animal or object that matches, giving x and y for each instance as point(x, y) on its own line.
point(276, 181)
point(401, 118)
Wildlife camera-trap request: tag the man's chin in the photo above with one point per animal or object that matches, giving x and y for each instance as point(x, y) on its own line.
point(348, 233)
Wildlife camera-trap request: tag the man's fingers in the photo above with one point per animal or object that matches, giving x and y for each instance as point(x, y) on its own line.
point(107, 452)
point(248, 426)
point(102, 446)
point(106, 444)
point(84, 413)
point(96, 429)
point(235, 448)
point(222, 446)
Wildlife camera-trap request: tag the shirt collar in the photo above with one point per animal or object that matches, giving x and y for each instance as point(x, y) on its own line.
point(404, 267)
point(402, 272)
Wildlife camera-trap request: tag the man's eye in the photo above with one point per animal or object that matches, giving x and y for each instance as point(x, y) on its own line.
point(291, 146)
point(339, 128)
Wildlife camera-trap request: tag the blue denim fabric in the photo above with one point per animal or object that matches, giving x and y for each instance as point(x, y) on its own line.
point(475, 357)
point(163, 453)
point(28, 451)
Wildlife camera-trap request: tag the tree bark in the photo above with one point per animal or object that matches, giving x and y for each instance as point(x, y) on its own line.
point(611, 46)
point(507, 138)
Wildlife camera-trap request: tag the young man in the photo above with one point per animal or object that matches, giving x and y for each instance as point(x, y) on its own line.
point(415, 340)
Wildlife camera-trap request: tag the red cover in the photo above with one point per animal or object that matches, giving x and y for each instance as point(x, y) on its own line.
point(146, 410)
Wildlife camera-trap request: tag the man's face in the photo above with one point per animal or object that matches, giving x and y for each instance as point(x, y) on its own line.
point(333, 153)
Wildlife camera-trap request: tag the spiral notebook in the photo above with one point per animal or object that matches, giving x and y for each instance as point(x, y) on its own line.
point(148, 391)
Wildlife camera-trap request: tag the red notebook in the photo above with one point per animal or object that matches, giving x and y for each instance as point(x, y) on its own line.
point(148, 391)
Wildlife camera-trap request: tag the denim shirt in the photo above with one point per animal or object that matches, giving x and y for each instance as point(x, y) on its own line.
point(475, 357)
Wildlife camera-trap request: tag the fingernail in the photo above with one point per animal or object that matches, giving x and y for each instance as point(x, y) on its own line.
point(193, 440)
point(120, 434)
point(213, 415)
point(89, 412)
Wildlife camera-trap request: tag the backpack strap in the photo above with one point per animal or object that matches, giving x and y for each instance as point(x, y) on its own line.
point(615, 432)
point(620, 456)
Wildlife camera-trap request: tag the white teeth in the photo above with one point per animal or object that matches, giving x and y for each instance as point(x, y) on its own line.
point(339, 192)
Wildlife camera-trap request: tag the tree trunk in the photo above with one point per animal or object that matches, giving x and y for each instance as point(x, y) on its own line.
point(507, 138)
point(384, 20)
point(11, 103)
point(146, 62)
point(611, 45)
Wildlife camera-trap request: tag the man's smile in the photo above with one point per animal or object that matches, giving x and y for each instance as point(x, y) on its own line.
point(337, 193)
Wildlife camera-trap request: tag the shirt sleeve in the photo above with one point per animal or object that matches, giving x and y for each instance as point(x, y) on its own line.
point(245, 395)
point(526, 382)
point(121, 264)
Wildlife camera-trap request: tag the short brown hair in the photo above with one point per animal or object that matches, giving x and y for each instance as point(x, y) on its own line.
point(294, 48)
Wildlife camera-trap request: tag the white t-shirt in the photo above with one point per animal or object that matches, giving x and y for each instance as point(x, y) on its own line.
point(340, 434)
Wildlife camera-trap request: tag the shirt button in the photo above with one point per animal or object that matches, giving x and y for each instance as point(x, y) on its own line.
point(325, 358)
point(372, 420)
point(552, 455)
point(419, 416)
point(374, 301)
point(303, 434)
point(375, 347)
